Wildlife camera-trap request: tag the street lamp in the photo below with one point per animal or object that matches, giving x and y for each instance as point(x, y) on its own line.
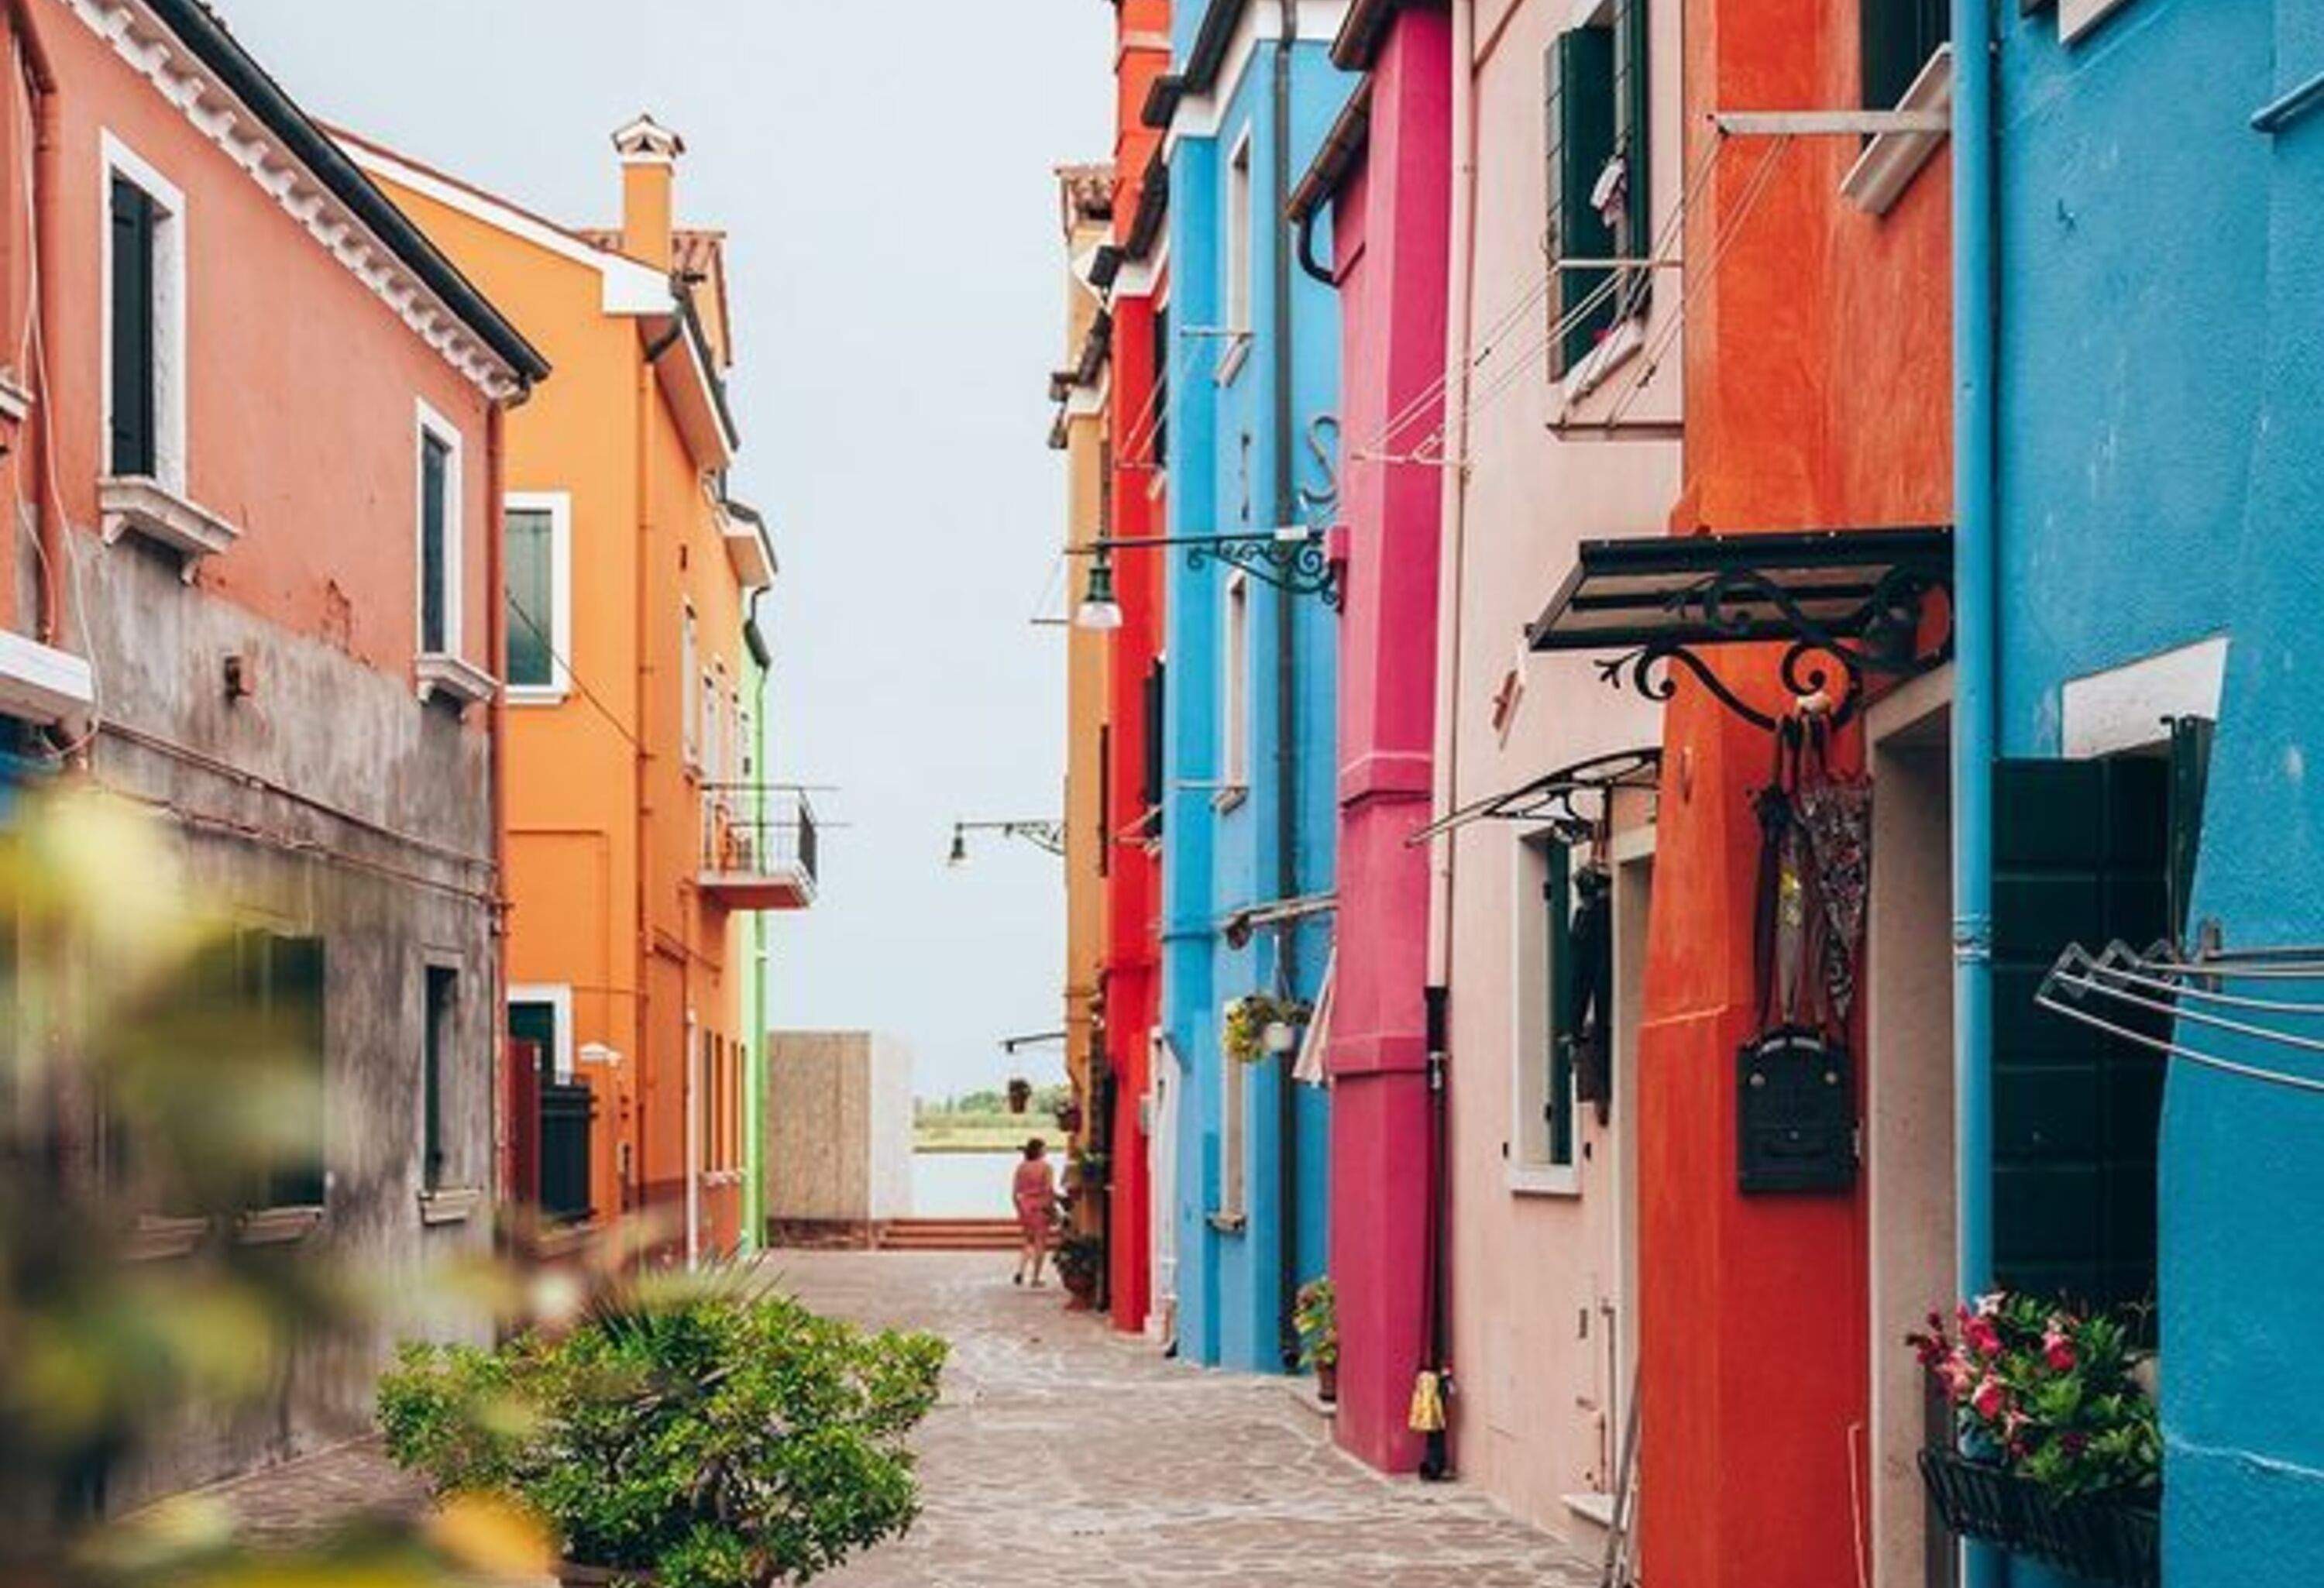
point(1100, 612)
point(1041, 834)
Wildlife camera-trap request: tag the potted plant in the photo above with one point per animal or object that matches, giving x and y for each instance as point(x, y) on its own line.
point(1259, 1026)
point(2060, 1453)
point(1069, 1117)
point(1081, 1258)
point(1020, 1094)
point(681, 1435)
point(1089, 1170)
point(1315, 1314)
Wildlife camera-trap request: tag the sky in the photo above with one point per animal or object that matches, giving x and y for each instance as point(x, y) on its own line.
point(884, 171)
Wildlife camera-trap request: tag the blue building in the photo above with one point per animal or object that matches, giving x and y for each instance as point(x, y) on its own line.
point(1251, 345)
point(2155, 497)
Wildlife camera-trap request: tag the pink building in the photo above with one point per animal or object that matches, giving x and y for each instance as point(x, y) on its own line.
point(1383, 174)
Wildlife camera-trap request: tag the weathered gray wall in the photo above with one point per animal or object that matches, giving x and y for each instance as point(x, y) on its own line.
point(386, 854)
point(839, 1127)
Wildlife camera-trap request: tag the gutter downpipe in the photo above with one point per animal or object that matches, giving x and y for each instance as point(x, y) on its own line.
point(1286, 702)
point(1444, 762)
point(496, 647)
point(1974, 728)
point(48, 516)
point(754, 1081)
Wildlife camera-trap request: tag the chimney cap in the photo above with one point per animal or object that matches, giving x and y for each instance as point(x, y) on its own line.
point(646, 140)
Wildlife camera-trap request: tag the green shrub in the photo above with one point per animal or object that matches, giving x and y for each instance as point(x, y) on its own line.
point(708, 1441)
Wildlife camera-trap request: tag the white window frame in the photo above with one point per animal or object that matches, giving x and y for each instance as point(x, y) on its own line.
point(559, 996)
point(691, 684)
point(559, 506)
point(2077, 17)
point(430, 423)
point(1234, 1137)
point(713, 721)
point(1531, 1171)
point(1235, 691)
point(117, 159)
point(1240, 259)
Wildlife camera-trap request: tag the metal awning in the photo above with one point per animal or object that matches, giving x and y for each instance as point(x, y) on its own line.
point(1856, 597)
point(1550, 797)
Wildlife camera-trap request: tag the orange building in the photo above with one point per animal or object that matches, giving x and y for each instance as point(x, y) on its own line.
point(639, 827)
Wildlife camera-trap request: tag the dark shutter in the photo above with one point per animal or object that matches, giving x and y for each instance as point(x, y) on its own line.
point(2190, 768)
point(1557, 902)
point(2079, 856)
point(1581, 128)
point(1153, 792)
point(1635, 144)
point(435, 506)
point(1105, 799)
point(1896, 38)
point(437, 1039)
point(1160, 449)
point(290, 970)
point(532, 596)
point(133, 402)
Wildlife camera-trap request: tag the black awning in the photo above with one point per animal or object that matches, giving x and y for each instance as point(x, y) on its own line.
point(1550, 798)
point(1708, 589)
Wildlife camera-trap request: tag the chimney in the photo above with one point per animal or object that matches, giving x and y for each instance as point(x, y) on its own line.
point(649, 152)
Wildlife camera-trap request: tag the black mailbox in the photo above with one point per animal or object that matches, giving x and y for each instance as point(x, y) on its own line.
point(1795, 1112)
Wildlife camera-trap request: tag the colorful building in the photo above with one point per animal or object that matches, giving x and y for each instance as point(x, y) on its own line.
point(1251, 377)
point(252, 421)
point(642, 834)
point(1085, 213)
point(2141, 531)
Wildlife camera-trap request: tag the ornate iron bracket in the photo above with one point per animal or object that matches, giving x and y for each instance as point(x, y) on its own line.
point(1830, 659)
point(1296, 562)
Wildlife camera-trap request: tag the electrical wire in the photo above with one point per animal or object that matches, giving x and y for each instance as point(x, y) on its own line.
point(565, 665)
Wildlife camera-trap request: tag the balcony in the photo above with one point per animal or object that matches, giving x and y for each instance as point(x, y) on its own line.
point(758, 847)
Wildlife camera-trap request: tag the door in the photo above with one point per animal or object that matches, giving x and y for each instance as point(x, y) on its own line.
point(1162, 1176)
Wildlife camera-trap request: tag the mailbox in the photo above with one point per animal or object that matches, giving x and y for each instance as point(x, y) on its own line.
point(1795, 1112)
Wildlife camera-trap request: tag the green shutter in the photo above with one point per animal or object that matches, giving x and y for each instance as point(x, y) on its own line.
point(290, 973)
point(532, 596)
point(2079, 851)
point(1633, 19)
point(133, 405)
point(435, 506)
point(536, 1023)
point(1581, 130)
point(2190, 765)
point(1558, 900)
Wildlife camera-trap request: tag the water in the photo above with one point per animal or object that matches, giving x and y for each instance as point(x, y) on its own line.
point(963, 1185)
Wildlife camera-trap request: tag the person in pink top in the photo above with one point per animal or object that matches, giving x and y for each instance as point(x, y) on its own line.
point(1035, 1192)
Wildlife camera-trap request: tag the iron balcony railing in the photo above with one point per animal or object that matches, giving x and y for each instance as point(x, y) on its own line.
point(756, 835)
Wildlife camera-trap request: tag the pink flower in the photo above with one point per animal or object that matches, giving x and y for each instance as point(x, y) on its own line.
point(1978, 1334)
point(1956, 1377)
point(1989, 1399)
point(2058, 1349)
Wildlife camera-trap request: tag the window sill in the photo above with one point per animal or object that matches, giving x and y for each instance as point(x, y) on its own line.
point(139, 505)
point(1228, 797)
point(1590, 1507)
point(277, 1226)
point(1892, 160)
point(2077, 17)
point(720, 1178)
point(1621, 345)
point(538, 694)
point(1229, 1224)
point(449, 678)
point(1545, 1180)
point(449, 1206)
point(1232, 361)
point(159, 1238)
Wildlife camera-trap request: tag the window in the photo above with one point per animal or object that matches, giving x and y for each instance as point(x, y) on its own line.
point(440, 534)
point(1238, 265)
point(1600, 174)
point(1543, 1142)
point(690, 677)
point(1156, 678)
point(1234, 708)
point(1897, 38)
point(278, 982)
point(538, 531)
point(436, 1041)
point(144, 322)
point(1234, 1111)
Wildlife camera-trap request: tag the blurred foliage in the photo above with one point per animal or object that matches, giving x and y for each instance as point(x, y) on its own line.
point(698, 1428)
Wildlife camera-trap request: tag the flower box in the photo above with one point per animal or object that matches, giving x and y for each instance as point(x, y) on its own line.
point(2112, 1538)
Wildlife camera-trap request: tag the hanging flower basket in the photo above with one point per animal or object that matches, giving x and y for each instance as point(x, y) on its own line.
point(1261, 1027)
point(1069, 1118)
point(2113, 1538)
point(1021, 1096)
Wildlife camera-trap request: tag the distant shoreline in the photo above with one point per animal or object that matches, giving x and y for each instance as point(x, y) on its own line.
point(988, 1144)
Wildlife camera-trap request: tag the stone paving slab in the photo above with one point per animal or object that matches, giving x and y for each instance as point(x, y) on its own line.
point(1062, 1453)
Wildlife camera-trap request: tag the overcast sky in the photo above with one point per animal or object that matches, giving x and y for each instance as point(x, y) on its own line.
point(883, 167)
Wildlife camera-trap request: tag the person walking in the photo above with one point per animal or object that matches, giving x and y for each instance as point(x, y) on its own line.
point(1034, 1190)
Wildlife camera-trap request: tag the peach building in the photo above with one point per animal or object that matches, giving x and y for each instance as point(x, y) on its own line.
point(640, 829)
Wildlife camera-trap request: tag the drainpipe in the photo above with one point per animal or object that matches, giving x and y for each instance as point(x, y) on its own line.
point(1287, 700)
point(47, 139)
point(754, 1082)
point(692, 1142)
point(1977, 658)
point(1446, 761)
point(504, 1128)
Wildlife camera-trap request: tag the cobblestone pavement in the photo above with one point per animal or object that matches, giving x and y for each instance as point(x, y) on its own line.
point(1064, 1454)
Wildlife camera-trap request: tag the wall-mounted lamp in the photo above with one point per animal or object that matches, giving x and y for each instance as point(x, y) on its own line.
point(1042, 835)
point(1292, 558)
